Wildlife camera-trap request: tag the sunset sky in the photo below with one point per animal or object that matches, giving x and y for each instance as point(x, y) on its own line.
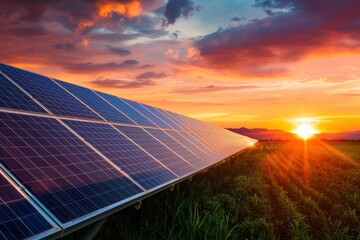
point(233, 63)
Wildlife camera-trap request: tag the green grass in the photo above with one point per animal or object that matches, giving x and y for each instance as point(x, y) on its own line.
point(273, 190)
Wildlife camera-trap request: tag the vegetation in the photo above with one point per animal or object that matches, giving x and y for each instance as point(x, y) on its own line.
point(274, 190)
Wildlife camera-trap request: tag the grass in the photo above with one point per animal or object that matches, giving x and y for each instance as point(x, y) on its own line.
point(274, 190)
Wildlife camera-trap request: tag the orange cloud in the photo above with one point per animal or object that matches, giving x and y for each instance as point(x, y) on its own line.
point(130, 9)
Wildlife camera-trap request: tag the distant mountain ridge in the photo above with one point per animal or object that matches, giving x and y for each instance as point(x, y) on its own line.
point(274, 134)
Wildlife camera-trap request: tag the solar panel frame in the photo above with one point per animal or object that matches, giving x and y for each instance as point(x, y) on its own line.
point(53, 229)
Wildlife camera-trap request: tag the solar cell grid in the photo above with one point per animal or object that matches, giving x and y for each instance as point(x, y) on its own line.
point(162, 117)
point(14, 98)
point(48, 93)
point(139, 108)
point(66, 175)
point(211, 154)
point(18, 218)
point(134, 115)
point(201, 154)
point(96, 103)
point(176, 147)
point(173, 118)
point(158, 150)
point(130, 158)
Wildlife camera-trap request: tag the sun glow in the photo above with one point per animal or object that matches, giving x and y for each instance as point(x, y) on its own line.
point(305, 128)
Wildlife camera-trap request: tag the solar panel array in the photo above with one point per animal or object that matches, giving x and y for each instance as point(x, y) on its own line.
point(69, 154)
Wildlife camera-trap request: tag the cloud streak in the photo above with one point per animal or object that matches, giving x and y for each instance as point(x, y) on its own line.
point(118, 51)
point(151, 75)
point(212, 88)
point(91, 67)
point(121, 83)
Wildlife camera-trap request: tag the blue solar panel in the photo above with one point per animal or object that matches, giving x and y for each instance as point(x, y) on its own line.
point(95, 102)
point(138, 164)
point(67, 176)
point(211, 154)
point(201, 154)
point(171, 117)
point(157, 149)
point(126, 109)
point(138, 107)
point(48, 93)
point(161, 116)
point(18, 218)
point(12, 97)
point(176, 147)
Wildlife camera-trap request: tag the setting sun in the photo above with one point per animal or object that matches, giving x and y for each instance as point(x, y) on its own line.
point(304, 128)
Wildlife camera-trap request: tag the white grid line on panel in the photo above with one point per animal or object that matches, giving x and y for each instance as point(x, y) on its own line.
point(114, 107)
point(102, 155)
point(109, 123)
point(168, 147)
point(129, 106)
point(143, 149)
point(28, 94)
point(78, 99)
point(146, 108)
point(30, 197)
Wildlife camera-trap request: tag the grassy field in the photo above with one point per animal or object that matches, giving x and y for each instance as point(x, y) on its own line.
point(274, 190)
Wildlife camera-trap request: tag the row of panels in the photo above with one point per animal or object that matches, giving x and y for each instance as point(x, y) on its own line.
point(73, 153)
point(28, 91)
point(73, 178)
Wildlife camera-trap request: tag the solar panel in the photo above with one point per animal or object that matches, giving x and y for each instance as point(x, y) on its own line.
point(78, 155)
point(52, 96)
point(126, 109)
point(165, 155)
point(148, 172)
point(95, 102)
point(171, 116)
point(13, 98)
point(161, 117)
point(211, 154)
point(174, 145)
point(139, 108)
point(197, 150)
point(18, 217)
point(67, 176)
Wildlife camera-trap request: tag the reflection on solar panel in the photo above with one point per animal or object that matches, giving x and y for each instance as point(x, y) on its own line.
point(165, 155)
point(52, 96)
point(95, 102)
point(18, 218)
point(79, 155)
point(13, 97)
point(139, 108)
point(67, 176)
point(119, 104)
point(179, 149)
point(138, 164)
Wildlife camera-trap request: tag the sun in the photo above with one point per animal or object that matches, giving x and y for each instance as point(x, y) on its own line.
point(305, 128)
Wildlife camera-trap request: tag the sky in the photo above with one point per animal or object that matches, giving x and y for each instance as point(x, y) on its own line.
point(233, 63)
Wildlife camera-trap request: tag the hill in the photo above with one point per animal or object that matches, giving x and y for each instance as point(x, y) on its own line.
point(264, 134)
point(268, 134)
